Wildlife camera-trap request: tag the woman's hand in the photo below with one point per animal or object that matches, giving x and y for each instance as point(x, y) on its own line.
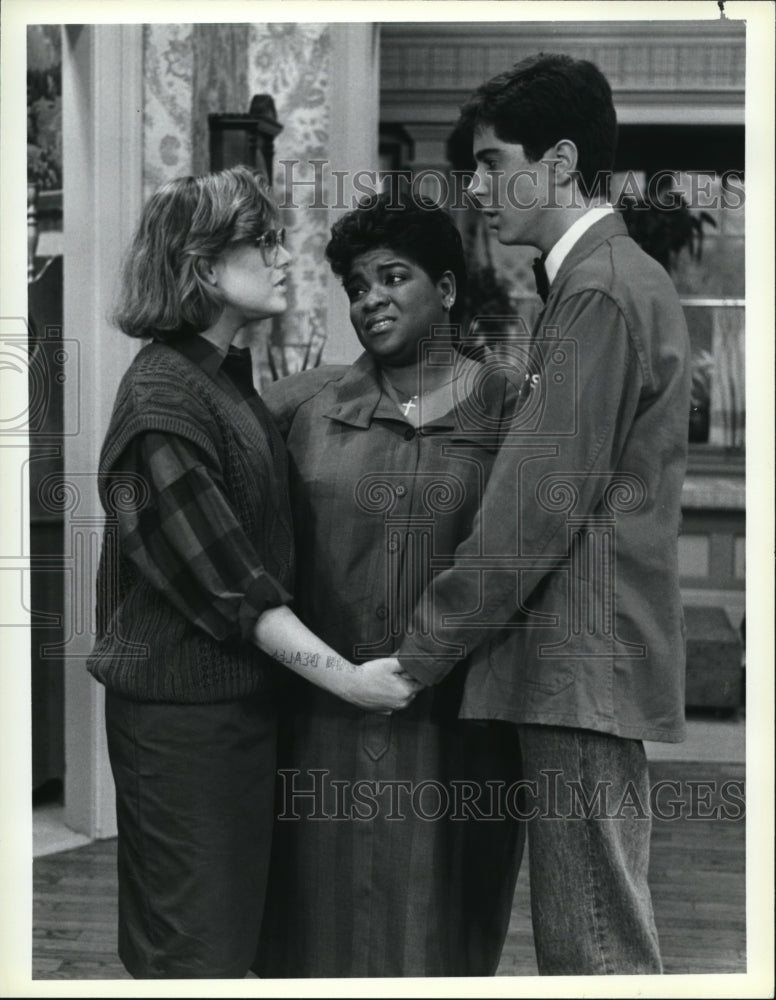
point(377, 686)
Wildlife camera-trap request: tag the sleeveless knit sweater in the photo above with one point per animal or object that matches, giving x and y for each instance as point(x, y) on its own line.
point(145, 648)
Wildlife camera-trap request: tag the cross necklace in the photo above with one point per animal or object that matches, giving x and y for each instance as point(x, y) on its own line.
point(411, 403)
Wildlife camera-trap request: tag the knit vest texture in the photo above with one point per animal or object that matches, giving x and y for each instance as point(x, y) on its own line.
point(145, 649)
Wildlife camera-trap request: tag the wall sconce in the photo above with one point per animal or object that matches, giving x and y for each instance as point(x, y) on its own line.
point(247, 139)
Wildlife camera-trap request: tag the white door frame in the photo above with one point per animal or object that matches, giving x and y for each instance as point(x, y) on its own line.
point(102, 100)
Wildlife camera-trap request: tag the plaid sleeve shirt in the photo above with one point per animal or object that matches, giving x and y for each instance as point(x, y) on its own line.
point(187, 540)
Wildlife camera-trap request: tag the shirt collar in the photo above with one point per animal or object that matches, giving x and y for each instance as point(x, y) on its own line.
point(560, 251)
point(360, 398)
point(206, 355)
point(358, 394)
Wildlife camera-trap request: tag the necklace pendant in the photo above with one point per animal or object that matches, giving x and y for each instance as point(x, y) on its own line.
point(409, 405)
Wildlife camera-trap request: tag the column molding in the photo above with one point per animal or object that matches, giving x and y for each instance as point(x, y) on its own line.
point(103, 163)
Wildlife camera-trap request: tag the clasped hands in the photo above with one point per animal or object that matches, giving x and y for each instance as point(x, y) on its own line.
point(378, 686)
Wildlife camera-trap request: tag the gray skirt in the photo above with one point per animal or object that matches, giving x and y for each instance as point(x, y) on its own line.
point(194, 805)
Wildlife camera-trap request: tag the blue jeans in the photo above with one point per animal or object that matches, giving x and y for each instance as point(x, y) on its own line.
point(588, 850)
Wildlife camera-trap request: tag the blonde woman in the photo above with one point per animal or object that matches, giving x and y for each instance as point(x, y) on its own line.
point(195, 585)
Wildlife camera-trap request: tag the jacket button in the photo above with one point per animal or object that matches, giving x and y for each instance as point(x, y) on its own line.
point(409, 434)
point(401, 490)
point(381, 611)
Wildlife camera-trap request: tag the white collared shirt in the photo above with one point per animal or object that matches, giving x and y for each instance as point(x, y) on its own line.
point(558, 254)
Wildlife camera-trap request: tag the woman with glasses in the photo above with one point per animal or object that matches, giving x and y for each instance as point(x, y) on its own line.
point(395, 853)
point(195, 581)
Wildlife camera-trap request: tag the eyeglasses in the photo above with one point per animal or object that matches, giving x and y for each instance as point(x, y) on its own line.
point(269, 243)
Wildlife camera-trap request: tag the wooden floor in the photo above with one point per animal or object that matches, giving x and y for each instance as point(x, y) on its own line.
point(697, 875)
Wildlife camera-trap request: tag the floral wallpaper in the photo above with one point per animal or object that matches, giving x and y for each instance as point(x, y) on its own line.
point(168, 65)
point(194, 70)
point(292, 62)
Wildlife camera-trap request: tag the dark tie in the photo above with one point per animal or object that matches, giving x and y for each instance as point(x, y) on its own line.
point(540, 274)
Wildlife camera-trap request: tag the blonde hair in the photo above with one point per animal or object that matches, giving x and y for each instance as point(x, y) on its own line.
point(186, 223)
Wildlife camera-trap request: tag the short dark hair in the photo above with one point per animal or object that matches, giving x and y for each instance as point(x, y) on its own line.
point(185, 223)
point(543, 99)
point(412, 226)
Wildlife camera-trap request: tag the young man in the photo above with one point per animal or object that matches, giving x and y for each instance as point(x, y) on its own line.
point(568, 585)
